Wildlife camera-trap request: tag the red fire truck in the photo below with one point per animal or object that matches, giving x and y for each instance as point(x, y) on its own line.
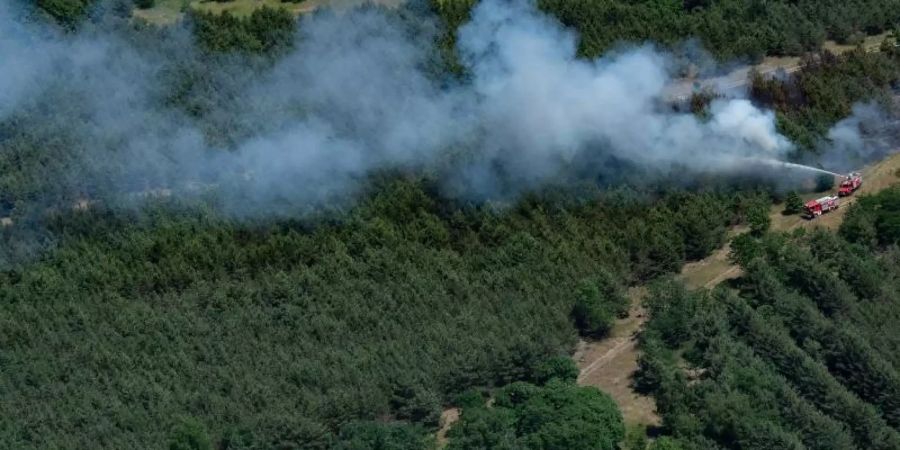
point(850, 184)
point(815, 208)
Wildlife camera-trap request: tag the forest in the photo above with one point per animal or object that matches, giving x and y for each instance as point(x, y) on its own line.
point(728, 29)
point(798, 353)
point(144, 318)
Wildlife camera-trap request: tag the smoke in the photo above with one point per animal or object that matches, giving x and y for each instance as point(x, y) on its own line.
point(541, 106)
point(19, 43)
point(868, 134)
point(355, 96)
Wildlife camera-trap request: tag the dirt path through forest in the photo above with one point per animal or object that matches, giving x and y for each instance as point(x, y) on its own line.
point(681, 89)
point(609, 363)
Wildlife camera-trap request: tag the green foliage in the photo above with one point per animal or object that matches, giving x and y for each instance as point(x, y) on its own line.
point(758, 218)
point(597, 303)
point(189, 434)
point(381, 436)
point(635, 438)
point(823, 92)
point(744, 249)
point(672, 309)
point(874, 219)
point(558, 416)
point(265, 30)
point(484, 428)
point(729, 28)
point(301, 334)
point(470, 398)
point(560, 368)
point(417, 404)
point(702, 220)
point(145, 4)
point(374, 315)
point(67, 12)
point(453, 14)
point(793, 204)
point(666, 443)
point(800, 357)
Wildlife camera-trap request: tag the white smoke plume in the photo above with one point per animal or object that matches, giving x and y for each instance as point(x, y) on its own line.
point(541, 105)
point(354, 97)
point(870, 133)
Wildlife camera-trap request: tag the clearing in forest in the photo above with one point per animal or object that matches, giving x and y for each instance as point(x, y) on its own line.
point(169, 11)
point(609, 363)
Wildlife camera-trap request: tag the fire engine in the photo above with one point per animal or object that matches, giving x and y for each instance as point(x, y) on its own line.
point(850, 184)
point(815, 208)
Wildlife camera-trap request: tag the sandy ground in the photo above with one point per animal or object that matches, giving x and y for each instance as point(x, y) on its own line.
point(448, 418)
point(608, 364)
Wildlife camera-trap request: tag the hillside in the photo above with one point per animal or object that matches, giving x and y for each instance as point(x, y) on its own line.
point(429, 225)
point(804, 332)
point(611, 363)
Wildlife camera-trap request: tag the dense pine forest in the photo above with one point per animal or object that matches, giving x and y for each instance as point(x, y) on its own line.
point(729, 29)
point(800, 352)
point(139, 314)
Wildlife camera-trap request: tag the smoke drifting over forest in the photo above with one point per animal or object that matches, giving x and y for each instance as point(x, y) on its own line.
point(354, 97)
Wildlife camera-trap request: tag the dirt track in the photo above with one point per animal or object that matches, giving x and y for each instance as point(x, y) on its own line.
point(609, 363)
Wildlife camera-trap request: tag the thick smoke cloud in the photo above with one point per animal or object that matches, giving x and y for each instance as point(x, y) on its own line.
point(355, 97)
point(542, 106)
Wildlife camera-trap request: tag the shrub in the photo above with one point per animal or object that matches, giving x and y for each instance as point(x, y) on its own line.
point(418, 404)
point(560, 368)
point(598, 302)
point(189, 434)
point(792, 203)
point(758, 219)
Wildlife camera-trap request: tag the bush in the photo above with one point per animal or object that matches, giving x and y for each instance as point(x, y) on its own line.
point(66, 12)
point(666, 443)
point(144, 4)
point(380, 436)
point(266, 30)
point(558, 416)
point(592, 317)
point(793, 204)
point(419, 405)
point(758, 219)
point(559, 368)
point(189, 434)
point(470, 398)
point(636, 438)
point(598, 302)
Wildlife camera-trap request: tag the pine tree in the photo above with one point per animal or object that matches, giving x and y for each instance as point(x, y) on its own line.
point(792, 204)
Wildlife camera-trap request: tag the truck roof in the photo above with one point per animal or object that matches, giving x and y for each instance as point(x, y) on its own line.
point(822, 200)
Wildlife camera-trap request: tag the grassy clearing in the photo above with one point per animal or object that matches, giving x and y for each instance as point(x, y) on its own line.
point(169, 11)
point(245, 7)
point(609, 363)
point(165, 11)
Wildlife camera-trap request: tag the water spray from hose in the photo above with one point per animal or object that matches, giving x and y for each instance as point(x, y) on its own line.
point(789, 165)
